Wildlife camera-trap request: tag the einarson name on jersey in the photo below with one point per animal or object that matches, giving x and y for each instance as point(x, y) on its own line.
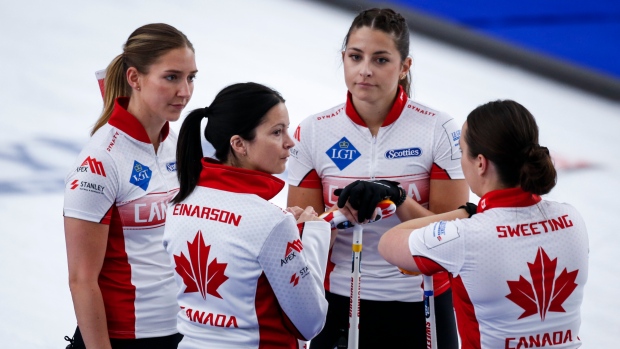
point(119, 180)
point(248, 275)
point(334, 147)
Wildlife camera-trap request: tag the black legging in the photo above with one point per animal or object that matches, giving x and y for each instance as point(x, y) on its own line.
point(388, 324)
point(167, 342)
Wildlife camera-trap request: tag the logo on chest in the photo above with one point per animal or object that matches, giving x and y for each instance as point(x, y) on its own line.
point(140, 175)
point(402, 153)
point(343, 153)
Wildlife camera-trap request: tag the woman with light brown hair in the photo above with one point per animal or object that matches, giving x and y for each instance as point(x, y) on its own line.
point(116, 196)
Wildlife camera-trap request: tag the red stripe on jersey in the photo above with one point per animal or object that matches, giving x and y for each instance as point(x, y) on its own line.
point(107, 217)
point(328, 271)
point(441, 282)
point(119, 294)
point(467, 323)
point(273, 333)
point(439, 173)
point(393, 114)
point(512, 197)
point(311, 180)
point(300, 227)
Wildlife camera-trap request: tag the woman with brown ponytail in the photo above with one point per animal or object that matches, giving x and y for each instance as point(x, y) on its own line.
point(116, 196)
point(519, 266)
point(380, 143)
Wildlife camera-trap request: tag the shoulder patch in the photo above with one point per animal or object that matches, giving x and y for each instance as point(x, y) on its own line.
point(454, 135)
point(439, 233)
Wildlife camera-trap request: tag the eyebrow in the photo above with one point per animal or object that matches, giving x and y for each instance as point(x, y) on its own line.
point(383, 52)
point(178, 71)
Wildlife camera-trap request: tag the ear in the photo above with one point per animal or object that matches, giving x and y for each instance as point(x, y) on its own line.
point(238, 145)
point(406, 66)
point(482, 165)
point(133, 78)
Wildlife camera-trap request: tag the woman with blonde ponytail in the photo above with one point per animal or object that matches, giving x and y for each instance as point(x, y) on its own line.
point(116, 196)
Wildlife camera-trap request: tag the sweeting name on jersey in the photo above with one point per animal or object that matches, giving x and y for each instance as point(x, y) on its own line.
point(534, 228)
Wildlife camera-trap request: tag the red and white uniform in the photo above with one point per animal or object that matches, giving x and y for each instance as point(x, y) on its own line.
point(248, 276)
point(120, 181)
point(518, 270)
point(334, 148)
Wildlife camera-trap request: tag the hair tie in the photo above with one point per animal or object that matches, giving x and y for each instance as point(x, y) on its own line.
point(205, 111)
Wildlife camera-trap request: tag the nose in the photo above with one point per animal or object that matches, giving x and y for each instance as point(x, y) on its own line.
point(288, 141)
point(365, 70)
point(185, 89)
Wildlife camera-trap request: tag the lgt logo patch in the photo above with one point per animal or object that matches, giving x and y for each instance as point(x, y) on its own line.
point(140, 176)
point(343, 153)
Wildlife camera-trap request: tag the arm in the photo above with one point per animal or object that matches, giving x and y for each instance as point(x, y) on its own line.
point(447, 195)
point(86, 245)
point(298, 284)
point(304, 197)
point(394, 244)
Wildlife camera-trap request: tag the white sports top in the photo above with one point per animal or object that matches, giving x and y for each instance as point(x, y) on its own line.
point(119, 180)
point(248, 276)
point(518, 270)
point(334, 148)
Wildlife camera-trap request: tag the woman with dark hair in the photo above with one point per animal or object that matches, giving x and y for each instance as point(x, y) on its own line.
point(249, 274)
point(519, 266)
point(379, 144)
point(116, 196)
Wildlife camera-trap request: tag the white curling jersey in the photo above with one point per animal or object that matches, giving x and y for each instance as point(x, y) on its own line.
point(120, 181)
point(519, 268)
point(248, 276)
point(334, 148)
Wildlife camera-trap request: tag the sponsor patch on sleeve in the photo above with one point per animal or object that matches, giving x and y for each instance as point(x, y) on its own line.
point(454, 135)
point(439, 233)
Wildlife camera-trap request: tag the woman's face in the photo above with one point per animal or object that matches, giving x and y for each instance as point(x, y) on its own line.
point(269, 150)
point(167, 87)
point(372, 65)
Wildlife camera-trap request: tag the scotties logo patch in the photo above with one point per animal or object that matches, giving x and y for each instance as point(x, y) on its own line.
point(343, 153)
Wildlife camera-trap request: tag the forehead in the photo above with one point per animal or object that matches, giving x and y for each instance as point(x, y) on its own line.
point(368, 38)
point(182, 59)
point(278, 114)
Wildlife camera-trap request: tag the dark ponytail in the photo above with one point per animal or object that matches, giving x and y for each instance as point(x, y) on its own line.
point(189, 154)
point(505, 132)
point(236, 110)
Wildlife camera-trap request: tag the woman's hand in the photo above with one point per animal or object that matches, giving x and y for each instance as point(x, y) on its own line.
point(309, 214)
point(296, 211)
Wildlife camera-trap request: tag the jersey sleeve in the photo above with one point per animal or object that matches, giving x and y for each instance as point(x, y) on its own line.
point(296, 276)
point(301, 170)
point(438, 247)
point(447, 158)
point(91, 187)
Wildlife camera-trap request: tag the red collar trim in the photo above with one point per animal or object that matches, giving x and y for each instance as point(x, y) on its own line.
point(397, 109)
point(238, 180)
point(126, 122)
point(513, 197)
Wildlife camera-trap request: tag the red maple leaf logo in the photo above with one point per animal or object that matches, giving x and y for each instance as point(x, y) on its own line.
point(196, 275)
point(545, 292)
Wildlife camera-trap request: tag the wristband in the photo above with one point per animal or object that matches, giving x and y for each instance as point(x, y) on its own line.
point(402, 197)
point(470, 208)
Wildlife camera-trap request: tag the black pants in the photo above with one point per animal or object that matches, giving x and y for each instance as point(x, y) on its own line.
point(388, 324)
point(167, 342)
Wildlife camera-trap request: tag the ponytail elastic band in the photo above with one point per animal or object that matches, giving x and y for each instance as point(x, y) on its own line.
point(204, 112)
